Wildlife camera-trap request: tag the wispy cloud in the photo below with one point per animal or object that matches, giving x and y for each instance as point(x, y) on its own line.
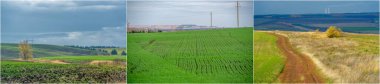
point(108, 36)
point(73, 35)
point(67, 5)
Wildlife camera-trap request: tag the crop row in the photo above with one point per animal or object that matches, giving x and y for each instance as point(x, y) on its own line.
point(206, 52)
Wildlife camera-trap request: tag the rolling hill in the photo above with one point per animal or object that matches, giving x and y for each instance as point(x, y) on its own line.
point(10, 51)
point(348, 22)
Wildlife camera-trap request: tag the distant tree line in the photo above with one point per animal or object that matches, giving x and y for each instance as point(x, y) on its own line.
point(101, 49)
point(90, 47)
point(114, 52)
point(143, 30)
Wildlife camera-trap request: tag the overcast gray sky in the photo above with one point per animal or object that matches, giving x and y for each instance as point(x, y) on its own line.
point(189, 12)
point(64, 22)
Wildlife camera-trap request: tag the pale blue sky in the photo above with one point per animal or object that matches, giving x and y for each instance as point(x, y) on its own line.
point(189, 12)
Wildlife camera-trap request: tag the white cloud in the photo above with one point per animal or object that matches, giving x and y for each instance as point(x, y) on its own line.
point(101, 7)
point(113, 28)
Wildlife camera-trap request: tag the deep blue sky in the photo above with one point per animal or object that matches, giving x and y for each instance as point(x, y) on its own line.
point(64, 22)
point(312, 7)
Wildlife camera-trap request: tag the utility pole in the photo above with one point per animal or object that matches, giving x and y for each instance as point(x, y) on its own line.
point(128, 29)
point(210, 19)
point(237, 13)
point(128, 24)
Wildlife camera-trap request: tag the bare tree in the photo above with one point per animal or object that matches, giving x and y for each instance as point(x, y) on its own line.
point(25, 50)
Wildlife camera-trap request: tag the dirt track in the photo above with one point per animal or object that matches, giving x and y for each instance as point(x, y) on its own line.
point(299, 68)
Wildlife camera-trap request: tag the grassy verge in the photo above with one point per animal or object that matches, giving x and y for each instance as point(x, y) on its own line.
point(268, 60)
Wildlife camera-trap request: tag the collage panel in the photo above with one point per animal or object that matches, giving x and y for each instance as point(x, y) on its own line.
point(62, 41)
point(190, 41)
point(316, 41)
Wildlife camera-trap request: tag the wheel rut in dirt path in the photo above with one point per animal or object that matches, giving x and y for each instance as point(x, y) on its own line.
point(299, 68)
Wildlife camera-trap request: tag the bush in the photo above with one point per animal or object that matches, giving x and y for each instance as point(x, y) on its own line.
point(123, 53)
point(333, 31)
point(113, 52)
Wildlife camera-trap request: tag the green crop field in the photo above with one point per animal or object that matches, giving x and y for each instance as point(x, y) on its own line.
point(76, 71)
point(268, 59)
point(373, 30)
point(60, 64)
point(29, 72)
point(196, 56)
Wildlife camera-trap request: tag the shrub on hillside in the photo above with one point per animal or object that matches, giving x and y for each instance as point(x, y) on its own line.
point(333, 31)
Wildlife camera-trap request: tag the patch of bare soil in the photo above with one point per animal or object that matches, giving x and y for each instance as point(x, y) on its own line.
point(58, 62)
point(44, 61)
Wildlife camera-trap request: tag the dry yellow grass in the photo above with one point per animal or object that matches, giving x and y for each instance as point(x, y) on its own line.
point(353, 58)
